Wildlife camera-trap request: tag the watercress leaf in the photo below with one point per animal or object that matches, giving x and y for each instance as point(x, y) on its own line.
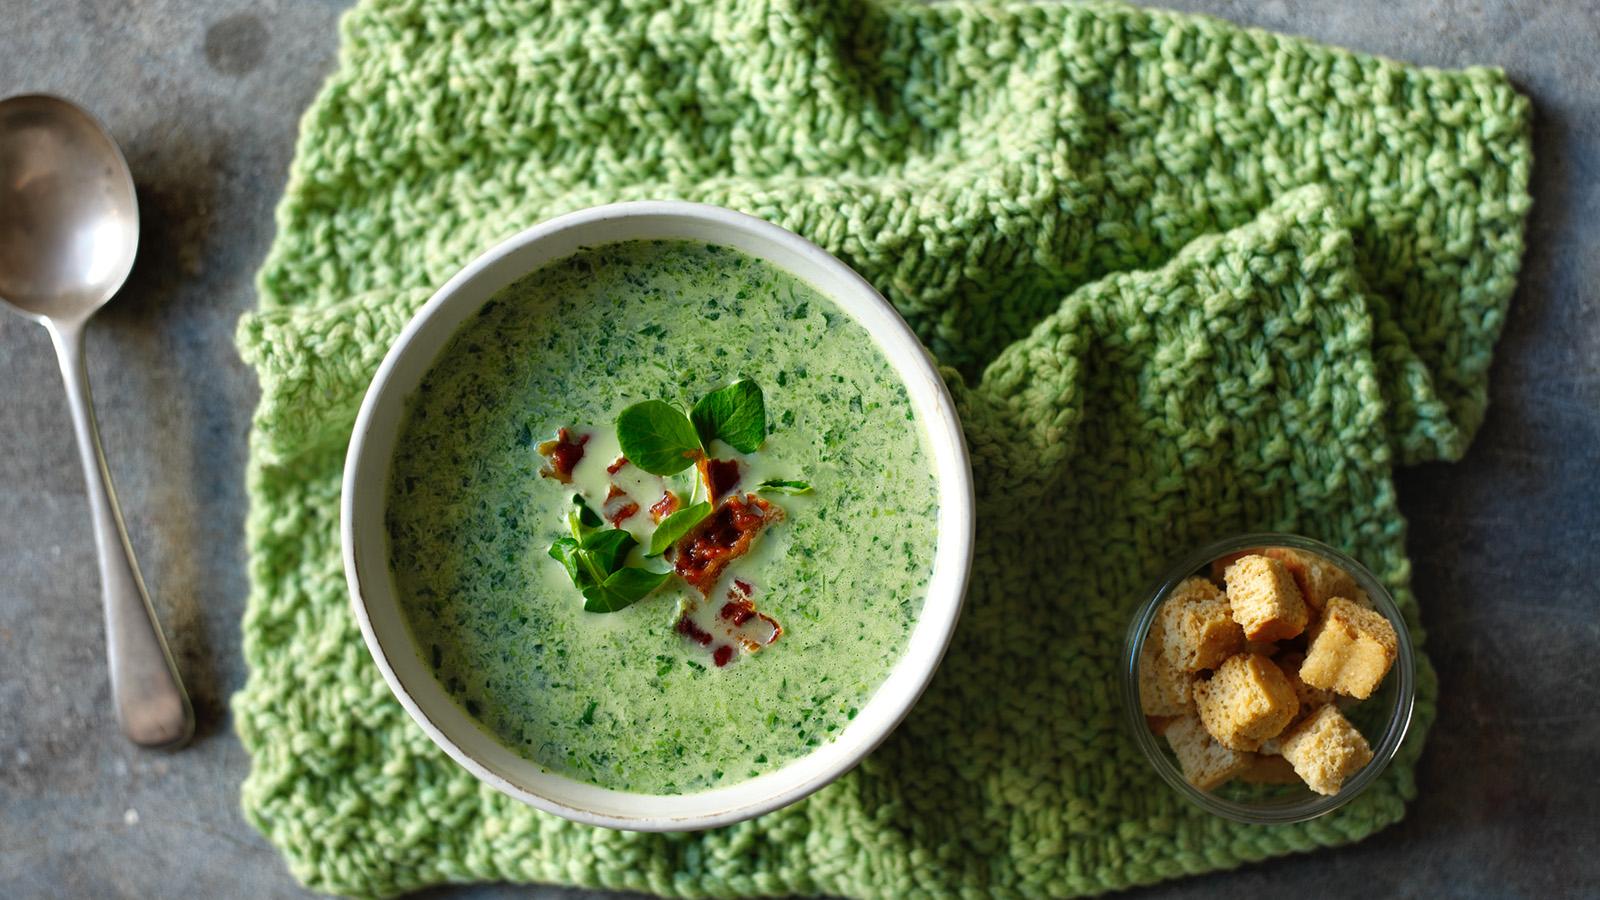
point(782, 486)
point(657, 437)
point(737, 414)
point(586, 516)
point(566, 551)
point(597, 599)
point(622, 589)
point(636, 582)
point(676, 526)
point(609, 548)
point(581, 520)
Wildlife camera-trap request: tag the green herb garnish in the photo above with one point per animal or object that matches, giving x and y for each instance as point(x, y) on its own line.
point(676, 526)
point(596, 561)
point(622, 589)
point(586, 516)
point(781, 486)
point(658, 438)
point(570, 554)
point(609, 548)
point(737, 414)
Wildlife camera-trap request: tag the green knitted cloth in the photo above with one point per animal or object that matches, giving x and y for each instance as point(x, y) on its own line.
point(1189, 279)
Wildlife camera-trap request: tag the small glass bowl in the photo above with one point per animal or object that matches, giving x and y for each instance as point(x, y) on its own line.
point(1382, 718)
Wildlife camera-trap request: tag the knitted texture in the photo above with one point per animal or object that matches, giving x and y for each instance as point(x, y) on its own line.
point(1189, 280)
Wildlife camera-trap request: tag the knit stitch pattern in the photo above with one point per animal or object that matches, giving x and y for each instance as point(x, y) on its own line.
point(1188, 280)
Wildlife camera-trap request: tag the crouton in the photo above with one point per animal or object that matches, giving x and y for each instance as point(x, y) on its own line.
point(1163, 686)
point(1310, 698)
point(1351, 650)
point(1247, 701)
point(1205, 763)
point(1318, 579)
point(1265, 600)
point(1197, 627)
point(1219, 566)
point(1325, 750)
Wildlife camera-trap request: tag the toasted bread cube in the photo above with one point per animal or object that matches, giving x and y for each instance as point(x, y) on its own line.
point(1318, 579)
point(1325, 750)
point(1205, 763)
point(1269, 770)
point(1197, 627)
point(1158, 724)
point(1310, 698)
point(1351, 650)
point(1164, 688)
point(1219, 566)
point(1247, 701)
point(1265, 600)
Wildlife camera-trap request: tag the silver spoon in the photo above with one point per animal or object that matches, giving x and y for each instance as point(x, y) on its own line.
point(69, 227)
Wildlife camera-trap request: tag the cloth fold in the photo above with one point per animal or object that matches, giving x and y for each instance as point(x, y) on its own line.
point(1189, 280)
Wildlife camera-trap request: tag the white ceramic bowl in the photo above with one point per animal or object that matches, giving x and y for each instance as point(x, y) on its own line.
point(366, 546)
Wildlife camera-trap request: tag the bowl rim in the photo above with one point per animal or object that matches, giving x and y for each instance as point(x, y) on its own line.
point(942, 602)
point(1383, 752)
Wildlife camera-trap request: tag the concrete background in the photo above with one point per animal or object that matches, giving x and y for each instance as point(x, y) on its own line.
point(204, 96)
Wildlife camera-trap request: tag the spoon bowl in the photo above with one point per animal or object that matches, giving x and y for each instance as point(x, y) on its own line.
point(69, 218)
point(69, 229)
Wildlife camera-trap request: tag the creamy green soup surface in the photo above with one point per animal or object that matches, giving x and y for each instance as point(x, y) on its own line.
point(626, 700)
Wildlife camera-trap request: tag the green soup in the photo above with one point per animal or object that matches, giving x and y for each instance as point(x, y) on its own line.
point(625, 700)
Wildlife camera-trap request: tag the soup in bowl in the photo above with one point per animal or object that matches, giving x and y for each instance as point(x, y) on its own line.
point(657, 517)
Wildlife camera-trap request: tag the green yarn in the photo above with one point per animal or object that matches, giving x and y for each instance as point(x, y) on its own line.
point(1190, 280)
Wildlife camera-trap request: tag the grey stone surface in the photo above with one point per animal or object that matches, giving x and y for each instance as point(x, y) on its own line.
point(205, 96)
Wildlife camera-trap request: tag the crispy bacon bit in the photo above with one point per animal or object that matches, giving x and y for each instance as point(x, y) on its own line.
point(723, 537)
point(619, 506)
point(666, 506)
point(693, 632)
point(720, 476)
point(738, 623)
point(738, 611)
point(563, 454)
point(616, 464)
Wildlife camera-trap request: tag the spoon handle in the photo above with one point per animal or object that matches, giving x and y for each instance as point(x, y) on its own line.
point(152, 706)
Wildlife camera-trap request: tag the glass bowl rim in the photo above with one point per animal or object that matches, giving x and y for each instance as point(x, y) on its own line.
point(1383, 752)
